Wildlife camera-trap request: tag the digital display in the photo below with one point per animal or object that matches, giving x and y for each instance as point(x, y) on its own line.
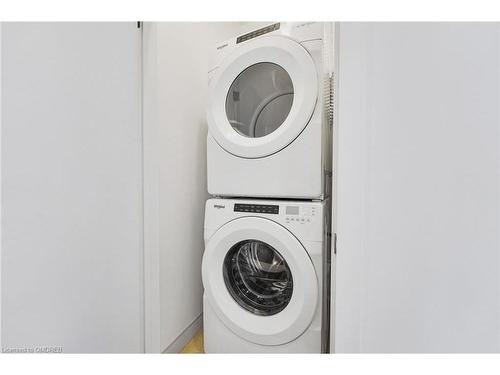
point(292, 210)
point(259, 208)
point(257, 33)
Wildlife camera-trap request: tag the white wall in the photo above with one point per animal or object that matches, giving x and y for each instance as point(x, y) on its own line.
point(71, 185)
point(0, 185)
point(418, 181)
point(176, 66)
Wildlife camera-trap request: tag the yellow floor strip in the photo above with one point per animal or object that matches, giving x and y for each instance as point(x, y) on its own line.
point(195, 345)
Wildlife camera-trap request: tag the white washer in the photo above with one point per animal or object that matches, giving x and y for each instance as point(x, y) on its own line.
point(269, 113)
point(266, 276)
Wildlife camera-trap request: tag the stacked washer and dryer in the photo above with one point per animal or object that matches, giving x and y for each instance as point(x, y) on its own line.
point(266, 266)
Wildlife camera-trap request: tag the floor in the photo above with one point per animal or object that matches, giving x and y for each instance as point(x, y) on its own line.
point(195, 345)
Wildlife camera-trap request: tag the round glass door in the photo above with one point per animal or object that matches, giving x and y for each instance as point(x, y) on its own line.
point(258, 277)
point(247, 271)
point(262, 96)
point(259, 100)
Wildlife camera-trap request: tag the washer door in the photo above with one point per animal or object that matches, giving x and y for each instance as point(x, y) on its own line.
point(260, 281)
point(262, 97)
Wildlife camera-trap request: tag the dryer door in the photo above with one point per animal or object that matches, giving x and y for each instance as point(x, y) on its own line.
point(262, 96)
point(260, 281)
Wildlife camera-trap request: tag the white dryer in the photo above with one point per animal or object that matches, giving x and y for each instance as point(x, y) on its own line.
point(266, 276)
point(269, 113)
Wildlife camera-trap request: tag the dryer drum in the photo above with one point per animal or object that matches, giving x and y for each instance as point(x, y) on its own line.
point(258, 277)
point(259, 100)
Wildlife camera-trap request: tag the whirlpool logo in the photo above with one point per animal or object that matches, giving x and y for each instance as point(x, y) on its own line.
point(219, 206)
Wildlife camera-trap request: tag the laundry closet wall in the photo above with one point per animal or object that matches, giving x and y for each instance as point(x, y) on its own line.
point(176, 64)
point(418, 182)
point(71, 183)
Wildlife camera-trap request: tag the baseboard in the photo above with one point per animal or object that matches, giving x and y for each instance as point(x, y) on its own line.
point(186, 335)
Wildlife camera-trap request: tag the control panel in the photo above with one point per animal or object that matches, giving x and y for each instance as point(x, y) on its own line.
point(259, 208)
point(290, 213)
point(301, 215)
point(258, 32)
